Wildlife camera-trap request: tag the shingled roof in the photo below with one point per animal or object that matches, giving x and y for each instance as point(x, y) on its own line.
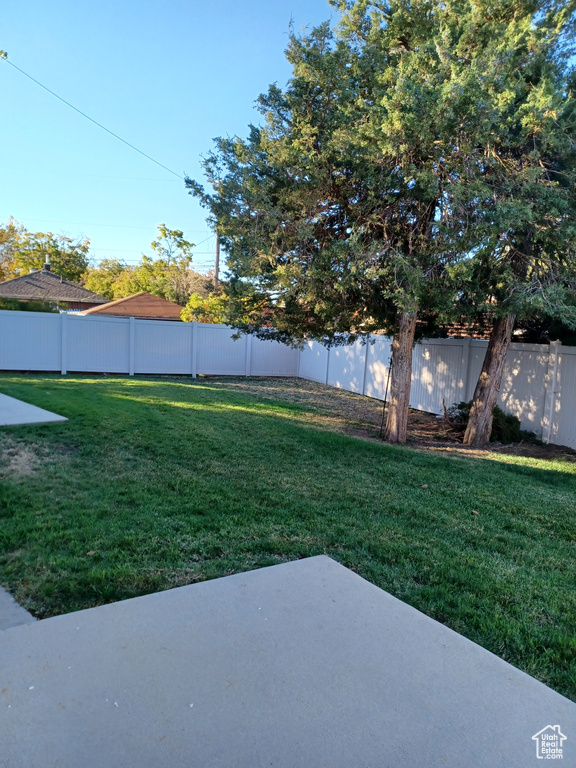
point(141, 305)
point(44, 285)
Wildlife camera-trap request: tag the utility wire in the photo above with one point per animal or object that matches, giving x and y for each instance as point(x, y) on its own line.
point(83, 175)
point(107, 226)
point(93, 121)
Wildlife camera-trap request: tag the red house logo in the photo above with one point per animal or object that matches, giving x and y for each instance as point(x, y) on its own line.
point(549, 743)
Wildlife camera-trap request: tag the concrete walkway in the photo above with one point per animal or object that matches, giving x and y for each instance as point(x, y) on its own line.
point(12, 614)
point(303, 665)
point(13, 412)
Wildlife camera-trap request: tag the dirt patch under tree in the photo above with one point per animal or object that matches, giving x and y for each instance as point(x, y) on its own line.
point(362, 417)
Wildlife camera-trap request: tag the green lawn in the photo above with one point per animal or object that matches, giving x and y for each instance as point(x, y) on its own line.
point(158, 482)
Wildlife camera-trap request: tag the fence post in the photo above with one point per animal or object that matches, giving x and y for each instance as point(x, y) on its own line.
point(299, 352)
point(550, 395)
point(248, 353)
point(465, 367)
point(131, 346)
point(328, 366)
point(194, 349)
point(366, 364)
point(63, 343)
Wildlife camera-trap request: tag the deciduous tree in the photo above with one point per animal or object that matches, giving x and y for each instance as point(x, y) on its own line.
point(168, 273)
point(102, 278)
point(21, 251)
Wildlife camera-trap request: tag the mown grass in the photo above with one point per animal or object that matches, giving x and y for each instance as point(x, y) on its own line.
point(160, 482)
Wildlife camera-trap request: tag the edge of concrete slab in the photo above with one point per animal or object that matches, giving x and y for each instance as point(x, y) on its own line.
point(11, 613)
point(17, 413)
point(299, 664)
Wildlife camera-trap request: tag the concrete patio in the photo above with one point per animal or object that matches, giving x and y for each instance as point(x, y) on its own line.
point(15, 412)
point(302, 664)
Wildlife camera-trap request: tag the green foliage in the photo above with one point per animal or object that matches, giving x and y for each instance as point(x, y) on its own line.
point(102, 279)
point(543, 330)
point(169, 275)
point(223, 306)
point(416, 135)
point(27, 306)
point(525, 258)
point(172, 245)
point(206, 309)
point(8, 237)
point(419, 160)
point(505, 426)
point(21, 251)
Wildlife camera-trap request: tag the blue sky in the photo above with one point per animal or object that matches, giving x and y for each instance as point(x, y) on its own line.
point(166, 76)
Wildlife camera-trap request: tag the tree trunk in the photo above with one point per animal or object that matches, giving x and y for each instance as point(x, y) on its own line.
point(400, 378)
point(486, 393)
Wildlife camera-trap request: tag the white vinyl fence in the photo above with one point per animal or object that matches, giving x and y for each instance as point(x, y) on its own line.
point(35, 341)
point(539, 384)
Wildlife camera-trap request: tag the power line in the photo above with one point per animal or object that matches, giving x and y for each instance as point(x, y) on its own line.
point(99, 226)
point(205, 241)
point(94, 121)
point(111, 226)
point(124, 250)
point(83, 175)
point(77, 224)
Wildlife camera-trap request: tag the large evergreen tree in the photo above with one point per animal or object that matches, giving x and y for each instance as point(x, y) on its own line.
point(527, 266)
point(347, 207)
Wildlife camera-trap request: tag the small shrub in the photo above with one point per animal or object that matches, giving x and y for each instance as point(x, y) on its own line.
point(459, 413)
point(505, 426)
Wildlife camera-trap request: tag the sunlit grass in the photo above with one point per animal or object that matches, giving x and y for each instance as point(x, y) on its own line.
point(566, 465)
point(155, 483)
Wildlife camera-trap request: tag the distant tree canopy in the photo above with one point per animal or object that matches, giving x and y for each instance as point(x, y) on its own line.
point(206, 309)
point(168, 274)
point(102, 278)
point(543, 330)
point(21, 251)
point(226, 306)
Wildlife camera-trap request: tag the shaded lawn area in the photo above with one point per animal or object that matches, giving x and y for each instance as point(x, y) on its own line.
point(158, 482)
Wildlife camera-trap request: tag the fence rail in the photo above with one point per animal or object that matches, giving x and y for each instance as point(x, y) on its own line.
point(539, 384)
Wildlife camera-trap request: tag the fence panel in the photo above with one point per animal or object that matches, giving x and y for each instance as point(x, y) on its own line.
point(475, 360)
point(378, 367)
point(218, 353)
point(313, 362)
point(563, 416)
point(448, 369)
point(97, 344)
point(524, 382)
point(539, 383)
point(438, 374)
point(30, 341)
point(271, 358)
point(162, 347)
point(347, 364)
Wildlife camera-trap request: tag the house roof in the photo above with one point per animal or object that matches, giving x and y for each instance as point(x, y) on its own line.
point(142, 305)
point(44, 285)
